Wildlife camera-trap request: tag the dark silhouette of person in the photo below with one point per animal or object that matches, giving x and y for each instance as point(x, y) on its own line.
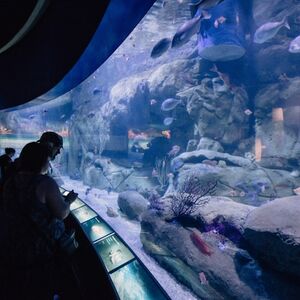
point(50, 139)
point(53, 141)
point(5, 161)
point(32, 227)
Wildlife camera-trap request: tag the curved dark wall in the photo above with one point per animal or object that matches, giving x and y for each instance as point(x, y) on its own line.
point(51, 49)
point(120, 18)
point(13, 17)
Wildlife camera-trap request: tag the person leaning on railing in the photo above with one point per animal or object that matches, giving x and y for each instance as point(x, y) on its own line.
point(33, 227)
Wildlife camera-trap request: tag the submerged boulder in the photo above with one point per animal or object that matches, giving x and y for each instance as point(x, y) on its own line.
point(218, 111)
point(217, 214)
point(224, 209)
point(130, 98)
point(273, 232)
point(87, 139)
point(245, 185)
point(286, 62)
point(132, 204)
point(201, 155)
point(192, 145)
point(228, 275)
point(135, 102)
point(277, 124)
point(209, 144)
point(168, 79)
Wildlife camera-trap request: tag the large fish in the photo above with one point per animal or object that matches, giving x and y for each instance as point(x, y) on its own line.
point(170, 104)
point(160, 48)
point(96, 92)
point(295, 45)
point(200, 243)
point(269, 30)
point(187, 30)
point(168, 121)
point(206, 4)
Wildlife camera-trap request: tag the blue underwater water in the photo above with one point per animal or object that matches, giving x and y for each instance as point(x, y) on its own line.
point(202, 139)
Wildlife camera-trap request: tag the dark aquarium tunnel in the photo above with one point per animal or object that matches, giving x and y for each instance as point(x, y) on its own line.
point(181, 129)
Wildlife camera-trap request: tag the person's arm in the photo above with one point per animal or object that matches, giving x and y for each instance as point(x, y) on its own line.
point(57, 204)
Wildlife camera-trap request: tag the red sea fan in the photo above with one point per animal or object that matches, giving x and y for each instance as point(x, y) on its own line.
point(200, 243)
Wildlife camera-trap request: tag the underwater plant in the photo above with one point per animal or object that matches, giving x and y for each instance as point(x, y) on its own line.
point(191, 195)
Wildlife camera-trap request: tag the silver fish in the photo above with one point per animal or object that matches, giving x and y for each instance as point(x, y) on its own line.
point(153, 102)
point(269, 30)
point(160, 48)
point(170, 104)
point(186, 31)
point(248, 112)
point(295, 45)
point(168, 121)
point(96, 92)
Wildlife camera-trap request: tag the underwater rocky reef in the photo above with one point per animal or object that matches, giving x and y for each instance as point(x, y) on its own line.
point(242, 243)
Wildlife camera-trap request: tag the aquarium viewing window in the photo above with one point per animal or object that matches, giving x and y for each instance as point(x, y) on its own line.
point(96, 229)
point(125, 270)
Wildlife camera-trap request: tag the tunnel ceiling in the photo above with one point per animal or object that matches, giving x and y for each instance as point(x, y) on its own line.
point(47, 47)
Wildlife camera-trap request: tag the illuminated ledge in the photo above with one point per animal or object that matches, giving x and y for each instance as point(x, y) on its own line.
point(117, 259)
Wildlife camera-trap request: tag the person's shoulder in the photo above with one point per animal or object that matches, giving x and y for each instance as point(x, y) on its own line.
point(16, 163)
point(47, 181)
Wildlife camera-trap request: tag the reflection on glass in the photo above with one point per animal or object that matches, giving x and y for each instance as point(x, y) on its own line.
point(84, 213)
point(132, 282)
point(113, 252)
point(96, 229)
point(76, 204)
point(258, 149)
point(65, 193)
point(277, 114)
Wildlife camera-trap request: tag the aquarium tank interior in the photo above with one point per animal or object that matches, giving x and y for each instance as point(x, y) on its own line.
point(186, 142)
